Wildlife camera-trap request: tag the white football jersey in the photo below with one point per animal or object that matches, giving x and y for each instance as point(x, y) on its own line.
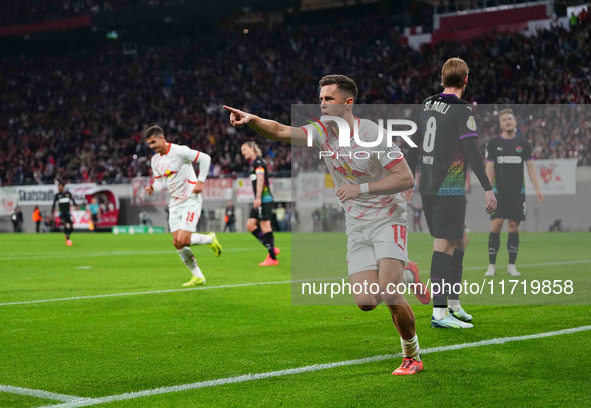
point(357, 165)
point(174, 170)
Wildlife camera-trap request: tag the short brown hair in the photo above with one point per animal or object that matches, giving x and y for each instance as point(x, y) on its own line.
point(505, 111)
point(454, 72)
point(153, 131)
point(343, 82)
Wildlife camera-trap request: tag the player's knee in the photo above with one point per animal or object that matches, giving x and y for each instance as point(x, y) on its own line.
point(251, 225)
point(266, 226)
point(465, 242)
point(393, 299)
point(367, 303)
point(179, 243)
point(513, 226)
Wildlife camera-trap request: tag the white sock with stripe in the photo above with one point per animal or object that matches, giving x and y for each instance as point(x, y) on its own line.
point(200, 239)
point(410, 348)
point(189, 260)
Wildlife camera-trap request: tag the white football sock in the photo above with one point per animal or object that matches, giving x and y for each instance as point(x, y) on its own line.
point(410, 348)
point(439, 312)
point(189, 260)
point(454, 304)
point(200, 239)
point(408, 277)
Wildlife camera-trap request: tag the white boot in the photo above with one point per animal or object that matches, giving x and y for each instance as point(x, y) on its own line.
point(512, 270)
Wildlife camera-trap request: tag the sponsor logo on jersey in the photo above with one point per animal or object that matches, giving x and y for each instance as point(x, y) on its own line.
point(509, 159)
point(519, 149)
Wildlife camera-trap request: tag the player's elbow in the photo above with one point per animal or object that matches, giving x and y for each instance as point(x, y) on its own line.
point(204, 158)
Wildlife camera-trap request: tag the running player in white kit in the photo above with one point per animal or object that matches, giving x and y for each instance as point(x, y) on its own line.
point(172, 167)
point(368, 191)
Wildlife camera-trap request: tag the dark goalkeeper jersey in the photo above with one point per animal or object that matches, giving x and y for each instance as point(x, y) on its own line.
point(258, 166)
point(509, 156)
point(444, 121)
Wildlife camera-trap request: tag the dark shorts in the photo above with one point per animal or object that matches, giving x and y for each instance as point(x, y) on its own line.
point(263, 213)
point(445, 215)
point(94, 218)
point(66, 218)
point(510, 206)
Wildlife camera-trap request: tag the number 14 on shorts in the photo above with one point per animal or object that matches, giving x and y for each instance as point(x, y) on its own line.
point(399, 234)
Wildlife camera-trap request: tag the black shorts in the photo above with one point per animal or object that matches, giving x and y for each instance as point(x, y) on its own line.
point(263, 213)
point(445, 215)
point(94, 218)
point(66, 218)
point(510, 206)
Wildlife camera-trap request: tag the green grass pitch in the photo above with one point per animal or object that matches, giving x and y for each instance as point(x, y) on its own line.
point(93, 347)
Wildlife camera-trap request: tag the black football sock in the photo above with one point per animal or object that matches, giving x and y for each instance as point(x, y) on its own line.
point(455, 272)
point(258, 234)
point(270, 244)
point(513, 246)
point(439, 275)
point(494, 241)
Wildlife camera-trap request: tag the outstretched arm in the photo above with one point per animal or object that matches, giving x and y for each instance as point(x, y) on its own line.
point(267, 128)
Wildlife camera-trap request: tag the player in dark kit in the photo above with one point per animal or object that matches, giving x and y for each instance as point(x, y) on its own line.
point(64, 199)
point(505, 156)
point(259, 221)
point(448, 139)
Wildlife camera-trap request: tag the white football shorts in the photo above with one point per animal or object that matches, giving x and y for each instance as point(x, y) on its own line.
point(185, 215)
point(368, 242)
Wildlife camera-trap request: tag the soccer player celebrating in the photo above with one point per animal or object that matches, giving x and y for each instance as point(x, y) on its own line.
point(504, 167)
point(375, 213)
point(448, 137)
point(64, 200)
point(172, 167)
point(259, 221)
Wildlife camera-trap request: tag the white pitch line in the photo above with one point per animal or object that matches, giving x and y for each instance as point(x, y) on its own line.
point(100, 254)
point(239, 285)
point(149, 292)
point(42, 394)
point(306, 369)
point(483, 268)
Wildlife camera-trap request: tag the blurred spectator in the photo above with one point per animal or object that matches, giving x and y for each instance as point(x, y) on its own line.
point(280, 216)
point(17, 219)
point(416, 217)
point(37, 218)
point(230, 217)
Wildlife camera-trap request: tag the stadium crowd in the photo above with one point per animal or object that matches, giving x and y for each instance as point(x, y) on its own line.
point(79, 115)
point(37, 11)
